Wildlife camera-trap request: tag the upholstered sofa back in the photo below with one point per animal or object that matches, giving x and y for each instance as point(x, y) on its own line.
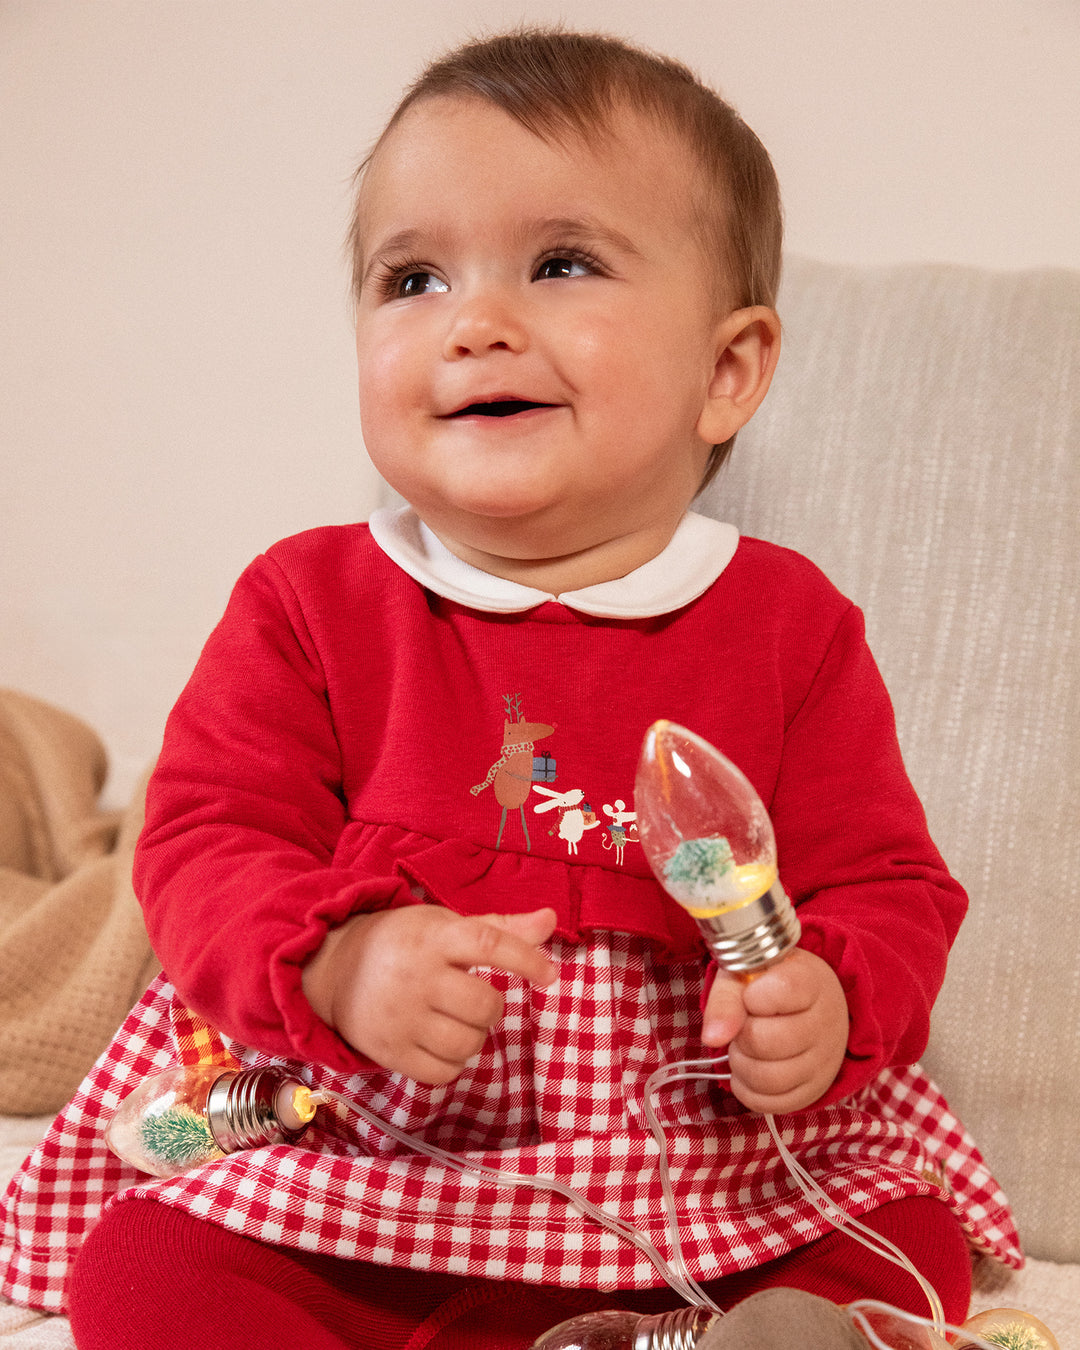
point(921, 444)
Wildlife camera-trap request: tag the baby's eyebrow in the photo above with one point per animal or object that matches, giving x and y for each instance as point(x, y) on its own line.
point(403, 243)
point(581, 230)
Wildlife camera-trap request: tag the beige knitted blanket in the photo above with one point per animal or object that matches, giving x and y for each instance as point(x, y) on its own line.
point(74, 954)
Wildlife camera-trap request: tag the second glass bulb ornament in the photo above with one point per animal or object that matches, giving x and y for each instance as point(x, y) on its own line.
point(185, 1117)
point(709, 841)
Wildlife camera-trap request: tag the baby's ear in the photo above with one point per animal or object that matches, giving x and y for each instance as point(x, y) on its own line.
point(747, 348)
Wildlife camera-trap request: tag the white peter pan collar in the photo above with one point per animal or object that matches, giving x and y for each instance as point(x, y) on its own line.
point(699, 551)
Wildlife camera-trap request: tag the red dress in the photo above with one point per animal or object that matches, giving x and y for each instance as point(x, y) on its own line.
point(353, 739)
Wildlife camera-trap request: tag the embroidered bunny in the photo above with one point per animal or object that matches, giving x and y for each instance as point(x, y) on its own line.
point(574, 819)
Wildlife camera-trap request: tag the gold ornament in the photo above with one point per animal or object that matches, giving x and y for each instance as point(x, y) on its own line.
point(1011, 1329)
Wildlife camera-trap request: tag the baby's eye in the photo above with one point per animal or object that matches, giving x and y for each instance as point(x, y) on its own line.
point(563, 265)
point(418, 283)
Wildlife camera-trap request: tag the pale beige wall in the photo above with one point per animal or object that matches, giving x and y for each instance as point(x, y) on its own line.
point(175, 364)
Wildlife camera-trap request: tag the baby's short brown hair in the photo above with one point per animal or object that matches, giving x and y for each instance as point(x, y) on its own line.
point(555, 82)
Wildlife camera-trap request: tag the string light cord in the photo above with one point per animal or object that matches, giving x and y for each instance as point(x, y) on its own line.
point(687, 1290)
point(675, 1272)
point(684, 1070)
point(844, 1223)
point(715, 1070)
point(857, 1312)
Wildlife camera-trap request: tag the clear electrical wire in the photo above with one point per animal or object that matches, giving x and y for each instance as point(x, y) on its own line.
point(686, 1288)
point(874, 1242)
point(685, 1070)
point(857, 1312)
point(675, 1272)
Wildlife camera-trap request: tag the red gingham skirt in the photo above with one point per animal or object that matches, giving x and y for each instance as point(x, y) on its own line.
point(558, 1092)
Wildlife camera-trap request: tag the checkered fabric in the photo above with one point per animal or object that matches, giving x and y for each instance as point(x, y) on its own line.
point(197, 1042)
point(557, 1091)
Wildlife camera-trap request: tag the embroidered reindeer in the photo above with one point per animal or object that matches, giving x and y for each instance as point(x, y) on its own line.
point(512, 773)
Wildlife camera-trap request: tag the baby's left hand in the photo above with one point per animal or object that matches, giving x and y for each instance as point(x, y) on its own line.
point(786, 1032)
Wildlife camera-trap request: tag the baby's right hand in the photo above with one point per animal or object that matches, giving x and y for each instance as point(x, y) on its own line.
point(397, 985)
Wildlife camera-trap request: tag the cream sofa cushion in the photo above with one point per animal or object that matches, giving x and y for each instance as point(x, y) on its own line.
point(921, 444)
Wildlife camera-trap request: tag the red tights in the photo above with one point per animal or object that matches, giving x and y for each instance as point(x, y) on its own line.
point(151, 1275)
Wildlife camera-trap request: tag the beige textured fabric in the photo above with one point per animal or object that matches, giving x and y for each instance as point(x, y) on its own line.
point(922, 444)
point(778, 1318)
point(74, 955)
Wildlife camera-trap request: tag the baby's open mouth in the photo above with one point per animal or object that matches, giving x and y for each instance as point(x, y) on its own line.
point(502, 407)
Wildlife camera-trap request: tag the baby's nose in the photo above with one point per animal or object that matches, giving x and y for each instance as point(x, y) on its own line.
point(483, 323)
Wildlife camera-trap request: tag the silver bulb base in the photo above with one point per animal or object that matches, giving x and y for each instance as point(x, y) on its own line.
point(679, 1330)
point(241, 1110)
point(614, 1330)
point(748, 939)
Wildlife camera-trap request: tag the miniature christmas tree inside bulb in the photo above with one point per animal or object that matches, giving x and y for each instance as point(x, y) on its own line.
point(161, 1127)
point(710, 843)
point(704, 830)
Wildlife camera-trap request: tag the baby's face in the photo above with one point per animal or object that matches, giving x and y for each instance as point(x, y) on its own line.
point(536, 331)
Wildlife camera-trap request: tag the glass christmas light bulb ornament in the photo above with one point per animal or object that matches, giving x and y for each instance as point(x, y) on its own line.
point(1010, 1328)
point(679, 1330)
point(710, 843)
point(880, 1325)
point(184, 1117)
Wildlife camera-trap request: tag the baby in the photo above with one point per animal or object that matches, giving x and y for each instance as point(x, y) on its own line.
point(388, 841)
point(552, 363)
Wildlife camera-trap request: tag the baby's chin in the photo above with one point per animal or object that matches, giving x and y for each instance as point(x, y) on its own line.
point(515, 524)
point(496, 537)
point(542, 559)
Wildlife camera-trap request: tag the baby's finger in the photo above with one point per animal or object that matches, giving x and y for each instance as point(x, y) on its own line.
point(479, 942)
point(450, 1041)
point(536, 926)
point(419, 1064)
point(466, 998)
point(776, 1038)
point(782, 989)
point(724, 1014)
point(777, 1085)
